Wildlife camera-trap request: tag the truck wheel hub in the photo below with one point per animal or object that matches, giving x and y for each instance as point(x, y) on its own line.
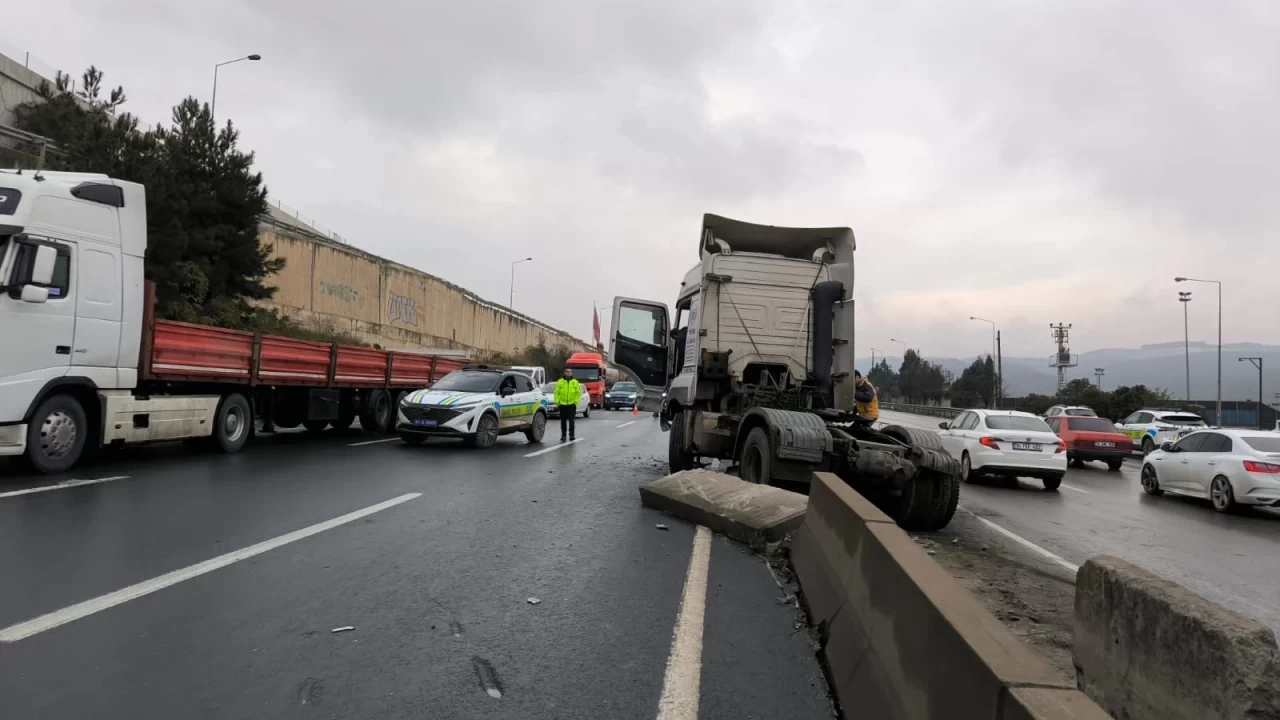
point(58, 434)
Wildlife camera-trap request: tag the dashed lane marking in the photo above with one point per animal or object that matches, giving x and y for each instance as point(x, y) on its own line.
point(683, 679)
point(13, 633)
point(372, 442)
point(61, 486)
point(1027, 544)
point(1065, 486)
point(633, 422)
point(553, 447)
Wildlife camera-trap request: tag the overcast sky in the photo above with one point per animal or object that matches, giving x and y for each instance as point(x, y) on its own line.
point(1028, 162)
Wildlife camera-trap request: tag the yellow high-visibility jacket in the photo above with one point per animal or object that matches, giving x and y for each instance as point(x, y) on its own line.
point(866, 400)
point(568, 392)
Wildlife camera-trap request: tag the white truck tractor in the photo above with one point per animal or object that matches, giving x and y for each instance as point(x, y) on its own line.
point(758, 369)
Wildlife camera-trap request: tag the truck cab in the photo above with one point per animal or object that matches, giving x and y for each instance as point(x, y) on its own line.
point(71, 288)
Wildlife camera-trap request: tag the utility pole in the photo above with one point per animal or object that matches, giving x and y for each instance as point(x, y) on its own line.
point(1219, 284)
point(999, 371)
point(1256, 362)
point(1185, 299)
point(1098, 373)
point(1062, 359)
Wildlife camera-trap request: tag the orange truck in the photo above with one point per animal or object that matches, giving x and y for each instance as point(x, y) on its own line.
point(590, 370)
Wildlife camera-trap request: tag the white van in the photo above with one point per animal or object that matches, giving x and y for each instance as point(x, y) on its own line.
point(538, 374)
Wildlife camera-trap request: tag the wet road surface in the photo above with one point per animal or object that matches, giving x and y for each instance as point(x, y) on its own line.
point(436, 586)
point(1233, 560)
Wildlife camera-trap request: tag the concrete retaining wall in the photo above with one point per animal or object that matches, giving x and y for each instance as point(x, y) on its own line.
point(327, 285)
point(902, 639)
point(1147, 648)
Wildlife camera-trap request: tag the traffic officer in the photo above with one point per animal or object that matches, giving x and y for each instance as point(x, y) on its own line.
point(866, 404)
point(568, 393)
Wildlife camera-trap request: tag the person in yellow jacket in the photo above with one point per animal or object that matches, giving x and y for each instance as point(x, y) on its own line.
point(866, 404)
point(568, 393)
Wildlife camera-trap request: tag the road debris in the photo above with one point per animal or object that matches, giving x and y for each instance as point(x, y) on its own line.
point(660, 526)
point(533, 601)
point(344, 628)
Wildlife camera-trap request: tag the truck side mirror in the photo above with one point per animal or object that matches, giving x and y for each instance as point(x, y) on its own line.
point(42, 268)
point(35, 294)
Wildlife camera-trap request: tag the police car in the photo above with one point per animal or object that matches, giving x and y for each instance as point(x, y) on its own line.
point(1152, 428)
point(477, 404)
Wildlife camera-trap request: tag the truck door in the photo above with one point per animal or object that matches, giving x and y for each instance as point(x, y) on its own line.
point(37, 331)
point(97, 338)
point(638, 339)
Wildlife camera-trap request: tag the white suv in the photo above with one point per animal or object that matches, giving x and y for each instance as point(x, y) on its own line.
point(1152, 428)
point(477, 403)
point(1071, 410)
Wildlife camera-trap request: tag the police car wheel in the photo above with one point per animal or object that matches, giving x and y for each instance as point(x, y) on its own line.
point(486, 432)
point(1148, 445)
point(537, 428)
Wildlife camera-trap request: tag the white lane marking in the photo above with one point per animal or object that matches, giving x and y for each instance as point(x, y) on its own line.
point(372, 442)
point(633, 422)
point(1065, 486)
point(553, 447)
point(13, 633)
point(1028, 544)
point(683, 679)
point(61, 486)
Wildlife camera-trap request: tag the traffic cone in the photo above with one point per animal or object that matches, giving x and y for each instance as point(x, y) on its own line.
point(635, 409)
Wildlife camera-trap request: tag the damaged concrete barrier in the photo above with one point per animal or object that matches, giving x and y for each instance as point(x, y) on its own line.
point(901, 638)
point(750, 513)
point(1147, 648)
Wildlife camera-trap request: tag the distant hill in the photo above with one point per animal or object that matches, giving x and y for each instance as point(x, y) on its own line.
point(1157, 366)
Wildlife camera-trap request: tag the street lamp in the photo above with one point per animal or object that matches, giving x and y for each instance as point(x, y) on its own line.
point(904, 347)
point(993, 355)
point(511, 296)
point(1185, 298)
point(873, 357)
point(1256, 362)
point(213, 106)
point(1098, 373)
point(1219, 284)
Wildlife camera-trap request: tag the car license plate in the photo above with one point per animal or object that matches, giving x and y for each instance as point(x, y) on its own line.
point(1033, 447)
point(1104, 444)
point(422, 422)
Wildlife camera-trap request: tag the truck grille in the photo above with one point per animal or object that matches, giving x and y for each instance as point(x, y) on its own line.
point(441, 415)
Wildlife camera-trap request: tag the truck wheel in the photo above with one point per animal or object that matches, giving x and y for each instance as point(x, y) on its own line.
point(917, 503)
point(946, 499)
point(378, 412)
point(57, 434)
point(315, 426)
point(677, 457)
point(232, 423)
point(756, 463)
point(345, 418)
point(915, 437)
point(537, 428)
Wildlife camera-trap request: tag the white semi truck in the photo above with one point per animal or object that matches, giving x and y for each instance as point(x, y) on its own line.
point(758, 370)
point(84, 362)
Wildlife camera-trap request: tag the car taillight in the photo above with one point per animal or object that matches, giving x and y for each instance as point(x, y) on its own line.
point(1261, 467)
point(1062, 447)
point(989, 442)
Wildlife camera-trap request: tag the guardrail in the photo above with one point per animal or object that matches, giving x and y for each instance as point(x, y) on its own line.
point(934, 410)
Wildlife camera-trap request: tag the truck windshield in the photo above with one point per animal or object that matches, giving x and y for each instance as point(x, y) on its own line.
point(585, 374)
point(468, 381)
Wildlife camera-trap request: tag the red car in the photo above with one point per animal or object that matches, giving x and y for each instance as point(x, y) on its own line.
point(1091, 438)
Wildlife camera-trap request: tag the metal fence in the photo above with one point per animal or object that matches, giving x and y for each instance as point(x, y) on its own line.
point(27, 60)
point(932, 410)
point(305, 221)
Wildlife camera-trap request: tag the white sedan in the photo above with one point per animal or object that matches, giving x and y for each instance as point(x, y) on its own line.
point(549, 396)
point(1227, 467)
point(1005, 442)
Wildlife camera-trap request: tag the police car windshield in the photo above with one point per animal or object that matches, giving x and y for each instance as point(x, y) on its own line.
point(469, 381)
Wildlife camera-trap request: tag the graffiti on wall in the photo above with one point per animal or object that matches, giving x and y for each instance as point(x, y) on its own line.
point(402, 308)
point(342, 292)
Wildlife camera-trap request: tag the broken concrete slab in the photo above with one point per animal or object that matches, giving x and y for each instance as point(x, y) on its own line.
point(1146, 647)
point(753, 514)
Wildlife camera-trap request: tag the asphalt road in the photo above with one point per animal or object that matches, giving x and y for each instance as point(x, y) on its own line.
point(435, 576)
point(1233, 560)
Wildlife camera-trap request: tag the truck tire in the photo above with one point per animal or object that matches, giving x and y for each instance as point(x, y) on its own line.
point(946, 498)
point(677, 457)
point(315, 426)
point(378, 413)
point(915, 437)
point(344, 420)
point(756, 463)
point(232, 423)
point(57, 434)
point(917, 503)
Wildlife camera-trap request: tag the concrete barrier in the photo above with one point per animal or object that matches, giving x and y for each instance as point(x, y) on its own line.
point(900, 637)
point(750, 513)
point(1147, 648)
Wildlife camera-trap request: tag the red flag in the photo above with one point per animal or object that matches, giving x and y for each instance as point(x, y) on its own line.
point(595, 324)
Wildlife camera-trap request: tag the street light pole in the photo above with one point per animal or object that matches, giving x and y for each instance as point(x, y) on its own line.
point(1219, 284)
point(1185, 298)
point(904, 347)
point(1098, 373)
point(873, 357)
point(1256, 362)
point(511, 294)
point(213, 105)
point(994, 383)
